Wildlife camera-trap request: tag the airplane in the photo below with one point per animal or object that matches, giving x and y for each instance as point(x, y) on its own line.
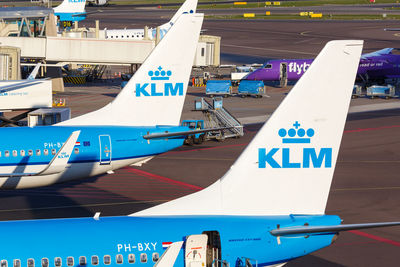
point(141, 122)
point(98, 2)
point(268, 209)
point(189, 6)
point(71, 10)
point(373, 67)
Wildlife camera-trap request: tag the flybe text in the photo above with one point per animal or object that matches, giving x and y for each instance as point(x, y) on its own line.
point(298, 68)
point(310, 159)
point(151, 89)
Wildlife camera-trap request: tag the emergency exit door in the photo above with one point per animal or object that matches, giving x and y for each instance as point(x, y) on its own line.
point(105, 149)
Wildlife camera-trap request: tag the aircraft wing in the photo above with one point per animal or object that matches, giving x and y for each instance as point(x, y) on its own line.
point(328, 229)
point(168, 258)
point(183, 133)
point(59, 161)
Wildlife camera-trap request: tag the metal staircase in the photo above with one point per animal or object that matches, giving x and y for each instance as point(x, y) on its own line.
point(217, 117)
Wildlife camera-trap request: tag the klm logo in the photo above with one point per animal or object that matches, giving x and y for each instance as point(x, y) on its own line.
point(153, 89)
point(76, 1)
point(311, 157)
point(63, 155)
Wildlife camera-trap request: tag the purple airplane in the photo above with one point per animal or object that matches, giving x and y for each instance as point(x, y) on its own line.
point(374, 67)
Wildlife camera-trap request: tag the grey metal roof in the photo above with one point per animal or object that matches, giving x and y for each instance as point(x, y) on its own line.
point(27, 12)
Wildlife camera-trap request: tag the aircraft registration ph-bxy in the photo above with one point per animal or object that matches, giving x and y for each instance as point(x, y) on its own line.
point(269, 207)
point(373, 67)
point(141, 122)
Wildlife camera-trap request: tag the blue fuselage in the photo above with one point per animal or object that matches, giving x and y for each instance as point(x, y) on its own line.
point(120, 237)
point(75, 16)
point(97, 150)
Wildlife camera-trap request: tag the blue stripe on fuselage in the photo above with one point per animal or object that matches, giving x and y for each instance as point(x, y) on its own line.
point(126, 143)
point(241, 236)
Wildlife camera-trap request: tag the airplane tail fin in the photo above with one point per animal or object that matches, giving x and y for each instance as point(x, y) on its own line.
point(288, 167)
point(189, 6)
point(155, 94)
point(68, 6)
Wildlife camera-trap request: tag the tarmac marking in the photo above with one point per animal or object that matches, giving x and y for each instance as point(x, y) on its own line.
point(162, 178)
point(205, 148)
point(371, 129)
point(186, 158)
point(88, 205)
point(377, 238)
point(368, 188)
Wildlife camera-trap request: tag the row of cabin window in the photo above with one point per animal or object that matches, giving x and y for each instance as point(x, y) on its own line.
point(30, 152)
point(133, 36)
point(119, 259)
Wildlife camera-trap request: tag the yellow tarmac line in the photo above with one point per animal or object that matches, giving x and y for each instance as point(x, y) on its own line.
point(368, 188)
point(89, 205)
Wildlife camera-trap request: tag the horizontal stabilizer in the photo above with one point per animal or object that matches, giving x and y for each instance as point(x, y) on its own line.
point(183, 133)
point(169, 257)
point(59, 161)
point(328, 229)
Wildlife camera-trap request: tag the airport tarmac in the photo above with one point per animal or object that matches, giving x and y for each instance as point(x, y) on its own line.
point(366, 185)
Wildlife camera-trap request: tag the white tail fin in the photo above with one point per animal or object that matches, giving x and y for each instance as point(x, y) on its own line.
point(156, 93)
point(189, 6)
point(288, 166)
point(69, 6)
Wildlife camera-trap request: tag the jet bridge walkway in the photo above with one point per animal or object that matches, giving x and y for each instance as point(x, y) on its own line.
point(216, 116)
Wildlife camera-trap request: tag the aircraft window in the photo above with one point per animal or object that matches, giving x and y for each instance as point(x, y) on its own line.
point(116, 36)
point(57, 262)
point(30, 152)
point(15, 153)
point(70, 261)
point(17, 263)
point(202, 52)
point(112, 36)
point(107, 259)
point(143, 258)
point(53, 151)
point(268, 66)
point(95, 260)
point(31, 263)
point(3, 263)
point(45, 262)
point(156, 256)
point(22, 152)
point(142, 35)
point(6, 153)
point(37, 152)
point(82, 260)
point(76, 150)
point(45, 152)
point(131, 258)
point(119, 259)
point(133, 36)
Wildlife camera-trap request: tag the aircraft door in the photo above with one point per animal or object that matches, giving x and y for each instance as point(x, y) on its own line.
point(195, 251)
point(105, 149)
point(283, 76)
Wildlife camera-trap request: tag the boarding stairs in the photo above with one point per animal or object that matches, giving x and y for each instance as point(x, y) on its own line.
point(218, 117)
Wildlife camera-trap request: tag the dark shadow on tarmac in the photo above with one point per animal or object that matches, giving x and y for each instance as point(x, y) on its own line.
point(312, 261)
point(229, 58)
point(373, 114)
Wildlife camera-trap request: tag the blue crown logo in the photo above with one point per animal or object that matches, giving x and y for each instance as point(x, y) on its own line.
point(160, 74)
point(296, 135)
